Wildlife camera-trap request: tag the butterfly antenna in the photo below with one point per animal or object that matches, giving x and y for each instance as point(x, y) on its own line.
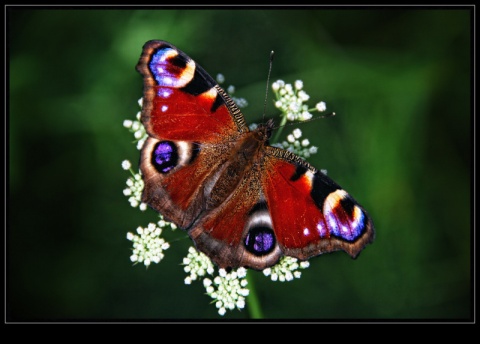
point(268, 82)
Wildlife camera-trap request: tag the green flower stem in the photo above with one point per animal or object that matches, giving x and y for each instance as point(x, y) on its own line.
point(254, 307)
point(280, 128)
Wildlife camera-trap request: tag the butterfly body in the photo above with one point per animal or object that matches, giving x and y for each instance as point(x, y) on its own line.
point(242, 201)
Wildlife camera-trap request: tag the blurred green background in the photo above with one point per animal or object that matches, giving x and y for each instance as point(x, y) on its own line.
point(398, 79)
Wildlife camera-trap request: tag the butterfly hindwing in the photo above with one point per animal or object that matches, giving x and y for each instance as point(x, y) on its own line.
point(311, 213)
point(240, 231)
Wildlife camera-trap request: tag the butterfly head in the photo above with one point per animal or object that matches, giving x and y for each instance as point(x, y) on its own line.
point(264, 131)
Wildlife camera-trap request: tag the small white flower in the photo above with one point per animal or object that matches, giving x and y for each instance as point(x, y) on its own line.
point(305, 116)
point(240, 303)
point(305, 142)
point(298, 84)
point(126, 164)
point(220, 78)
point(127, 123)
point(321, 106)
point(241, 272)
point(140, 143)
point(136, 126)
point(305, 264)
point(303, 96)
point(231, 89)
point(207, 282)
point(297, 133)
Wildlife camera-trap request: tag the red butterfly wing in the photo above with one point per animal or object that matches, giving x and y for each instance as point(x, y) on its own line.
point(282, 206)
point(191, 122)
point(181, 101)
point(311, 214)
point(230, 235)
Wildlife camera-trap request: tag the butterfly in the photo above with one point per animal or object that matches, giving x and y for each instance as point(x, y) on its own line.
point(243, 202)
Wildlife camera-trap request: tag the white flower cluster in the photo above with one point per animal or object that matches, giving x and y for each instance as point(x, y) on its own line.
point(228, 290)
point(148, 246)
point(286, 269)
point(290, 100)
point(137, 128)
point(134, 187)
point(197, 265)
point(293, 144)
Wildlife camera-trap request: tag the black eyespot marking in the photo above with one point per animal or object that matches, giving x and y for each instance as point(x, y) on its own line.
point(260, 241)
point(165, 156)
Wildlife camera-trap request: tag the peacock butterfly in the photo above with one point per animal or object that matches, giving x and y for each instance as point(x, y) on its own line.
point(242, 201)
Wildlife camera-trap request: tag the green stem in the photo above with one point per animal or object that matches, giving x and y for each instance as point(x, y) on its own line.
point(254, 307)
point(280, 128)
